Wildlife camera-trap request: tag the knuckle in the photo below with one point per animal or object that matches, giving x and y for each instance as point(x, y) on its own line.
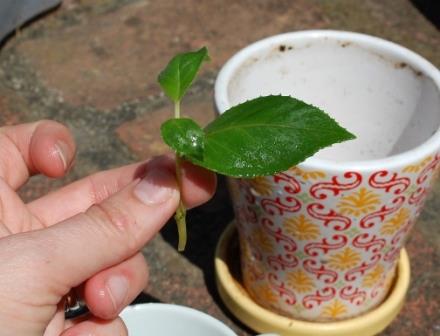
point(98, 193)
point(114, 221)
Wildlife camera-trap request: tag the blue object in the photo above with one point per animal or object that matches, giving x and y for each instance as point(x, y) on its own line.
point(14, 13)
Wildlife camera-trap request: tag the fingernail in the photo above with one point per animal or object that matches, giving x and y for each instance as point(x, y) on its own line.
point(157, 187)
point(118, 289)
point(63, 151)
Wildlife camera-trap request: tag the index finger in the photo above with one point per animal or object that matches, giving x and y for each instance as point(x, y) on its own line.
point(198, 185)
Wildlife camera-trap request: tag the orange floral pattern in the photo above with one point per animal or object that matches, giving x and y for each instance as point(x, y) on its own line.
point(392, 225)
point(300, 281)
point(334, 310)
point(418, 166)
point(373, 277)
point(345, 259)
point(263, 240)
point(301, 228)
point(307, 175)
point(261, 186)
point(359, 202)
point(263, 292)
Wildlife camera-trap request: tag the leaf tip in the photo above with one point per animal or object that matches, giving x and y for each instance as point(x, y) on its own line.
point(346, 135)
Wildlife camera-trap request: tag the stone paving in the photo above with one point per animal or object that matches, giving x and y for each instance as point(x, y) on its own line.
point(93, 65)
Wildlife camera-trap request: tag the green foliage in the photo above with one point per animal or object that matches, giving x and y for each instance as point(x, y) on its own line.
point(260, 137)
point(184, 136)
point(180, 72)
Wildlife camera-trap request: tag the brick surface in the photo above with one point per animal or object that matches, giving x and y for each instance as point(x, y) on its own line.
point(12, 107)
point(93, 65)
point(107, 55)
point(106, 59)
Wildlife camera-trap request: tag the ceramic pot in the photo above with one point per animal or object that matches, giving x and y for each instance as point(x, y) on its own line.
point(321, 241)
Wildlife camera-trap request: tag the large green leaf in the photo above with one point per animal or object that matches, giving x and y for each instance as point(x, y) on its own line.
point(267, 135)
point(184, 136)
point(180, 73)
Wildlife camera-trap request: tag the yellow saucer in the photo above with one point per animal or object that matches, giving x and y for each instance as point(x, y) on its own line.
point(262, 320)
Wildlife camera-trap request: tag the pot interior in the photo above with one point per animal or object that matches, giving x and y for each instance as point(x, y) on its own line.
point(376, 93)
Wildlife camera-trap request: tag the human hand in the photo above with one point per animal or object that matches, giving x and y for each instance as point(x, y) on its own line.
point(86, 234)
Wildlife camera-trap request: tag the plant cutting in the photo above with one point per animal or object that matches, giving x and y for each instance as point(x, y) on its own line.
point(259, 137)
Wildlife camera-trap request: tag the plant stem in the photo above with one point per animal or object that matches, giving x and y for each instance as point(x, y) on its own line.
point(180, 215)
point(177, 109)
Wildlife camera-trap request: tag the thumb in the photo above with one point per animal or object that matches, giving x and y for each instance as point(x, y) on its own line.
point(112, 231)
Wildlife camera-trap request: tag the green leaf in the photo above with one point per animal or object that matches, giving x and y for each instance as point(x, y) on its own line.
point(180, 73)
point(267, 135)
point(184, 136)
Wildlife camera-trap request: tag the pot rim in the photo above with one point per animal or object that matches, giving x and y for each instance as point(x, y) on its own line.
point(376, 44)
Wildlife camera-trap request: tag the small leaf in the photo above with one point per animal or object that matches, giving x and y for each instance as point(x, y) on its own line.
point(267, 135)
point(180, 73)
point(184, 136)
